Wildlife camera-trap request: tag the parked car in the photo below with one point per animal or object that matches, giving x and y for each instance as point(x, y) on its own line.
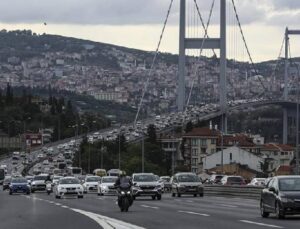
point(186, 183)
point(146, 184)
point(258, 182)
point(19, 185)
point(106, 186)
point(281, 196)
point(91, 183)
point(68, 186)
point(233, 180)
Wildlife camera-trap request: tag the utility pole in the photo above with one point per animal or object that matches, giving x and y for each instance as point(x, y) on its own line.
point(297, 125)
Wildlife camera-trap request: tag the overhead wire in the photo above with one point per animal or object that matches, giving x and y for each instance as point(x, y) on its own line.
point(153, 62)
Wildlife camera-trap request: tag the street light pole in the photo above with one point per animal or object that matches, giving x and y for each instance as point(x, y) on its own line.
point(222, 146)
point(297, 125)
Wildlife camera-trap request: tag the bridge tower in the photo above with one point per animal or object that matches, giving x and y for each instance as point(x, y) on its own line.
point(286, 77)
point(208, 43)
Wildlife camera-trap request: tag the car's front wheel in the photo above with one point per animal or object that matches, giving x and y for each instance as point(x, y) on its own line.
point(279, 213)
point(158, 197)
point(263, 213)
point(80, 197)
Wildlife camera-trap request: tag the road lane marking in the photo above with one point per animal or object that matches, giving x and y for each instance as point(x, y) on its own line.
point(64, 206)
point(194, 213)
point(57, 204)
point(146, 206)
point(106, 222)
point(260, 224)
point(190, 201)
point(227, 205)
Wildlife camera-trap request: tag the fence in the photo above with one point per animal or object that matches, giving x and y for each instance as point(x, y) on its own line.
point(233, 191)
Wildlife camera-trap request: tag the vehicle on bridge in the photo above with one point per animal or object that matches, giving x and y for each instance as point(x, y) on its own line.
point(39, 183)
point(106, 186)
point(186, 183)
point(91, 184)
point(146, 184)
point(68, 186)
point(19, 185)
point(281, 196)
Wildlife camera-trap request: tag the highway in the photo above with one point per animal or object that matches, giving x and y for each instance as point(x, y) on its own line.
point(42, 211)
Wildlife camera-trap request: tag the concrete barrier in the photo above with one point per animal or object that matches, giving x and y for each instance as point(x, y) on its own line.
point(233, 191)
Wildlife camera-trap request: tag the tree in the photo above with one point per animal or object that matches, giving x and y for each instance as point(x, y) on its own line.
point(151, 132)
point(189, 127)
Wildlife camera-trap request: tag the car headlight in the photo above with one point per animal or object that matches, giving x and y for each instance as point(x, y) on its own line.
point(104, 187)
point(122, 192)
point(28, 186)
point(128, 192)
point(285, 199)
point(61, 188)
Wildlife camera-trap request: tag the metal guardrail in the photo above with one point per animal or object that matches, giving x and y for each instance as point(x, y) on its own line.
point(233, 191)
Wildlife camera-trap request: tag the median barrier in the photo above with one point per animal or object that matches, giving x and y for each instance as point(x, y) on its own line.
point(250, 192)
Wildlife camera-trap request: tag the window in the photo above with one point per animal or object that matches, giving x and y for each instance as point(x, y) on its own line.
point(194, 161)
point(203, 142)
point(275, 153)
point(213, 141)
point(194, 142)
point(230, 156)
point(194, 152)
point(282, 153)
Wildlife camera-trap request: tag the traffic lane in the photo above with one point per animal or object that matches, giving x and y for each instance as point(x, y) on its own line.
point(171, 213)
point(19, 211)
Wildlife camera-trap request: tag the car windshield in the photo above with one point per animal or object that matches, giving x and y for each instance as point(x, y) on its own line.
point(144, 178)
point(289, 184)
point(18, 181)
point(93, 179)
point(188, 178)
point(56, 178)
point(218, 177)
point(69, 181)
point(109, 179)
point(40, 178)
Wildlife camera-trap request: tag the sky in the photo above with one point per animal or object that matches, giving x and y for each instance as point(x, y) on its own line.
point(138, 23)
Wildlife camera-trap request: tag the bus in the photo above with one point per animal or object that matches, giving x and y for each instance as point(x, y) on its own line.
point(74, 171)
point(99, 172)
point(2, 175)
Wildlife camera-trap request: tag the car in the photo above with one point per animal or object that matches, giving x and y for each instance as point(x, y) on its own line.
point(39, 183)
point(261, 182)
point(106, 185)
point(55, 179)
point(186, 183)
point(146, 184)
point(166, 182)
point(45, 162)
point(19, 184)
point(281, 196)
point(91, 183)
point(233, 180)
point(6, 183)
point(68, 186)
point(40, 156)
point(216, 178)
point(29, 179)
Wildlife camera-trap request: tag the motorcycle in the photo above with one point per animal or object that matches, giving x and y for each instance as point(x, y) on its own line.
point(49, 187)
point(125, 199)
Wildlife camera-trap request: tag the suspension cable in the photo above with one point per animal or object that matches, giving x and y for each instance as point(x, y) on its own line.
point(201, 48)
point(153, 62)
point(246, 46)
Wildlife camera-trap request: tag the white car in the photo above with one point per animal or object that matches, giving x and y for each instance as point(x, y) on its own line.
point(45, 162)
point(91, 183)
point(258, 182)
point(106, 186)
point(40, 156)
point(68, 186)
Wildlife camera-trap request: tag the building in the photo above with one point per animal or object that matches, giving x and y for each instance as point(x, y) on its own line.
point(171, 144)
point(10, 142)
point(279, 155)
point(199, 143)
point(233, 155)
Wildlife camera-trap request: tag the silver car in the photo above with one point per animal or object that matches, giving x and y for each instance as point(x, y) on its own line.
point(186, 183)
point(106, 186)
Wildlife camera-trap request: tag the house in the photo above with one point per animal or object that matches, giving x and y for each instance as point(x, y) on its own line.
point(233, 155)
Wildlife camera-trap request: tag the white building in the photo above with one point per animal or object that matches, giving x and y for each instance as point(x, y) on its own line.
point(233, 155)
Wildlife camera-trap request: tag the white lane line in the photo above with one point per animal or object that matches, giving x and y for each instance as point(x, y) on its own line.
point(260, 224)
point(190, 201)
point(146, 206)
point(227, 205)
point(99, 198)
point(57, 204)
point(194, 213)
point(64, 206)
point(106, 222)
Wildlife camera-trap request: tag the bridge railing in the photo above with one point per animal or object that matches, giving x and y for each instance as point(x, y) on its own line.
point(251, 192)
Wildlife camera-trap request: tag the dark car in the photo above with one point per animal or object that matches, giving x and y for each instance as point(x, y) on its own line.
point(6, 183)
point(281, 196)
point(19, 185)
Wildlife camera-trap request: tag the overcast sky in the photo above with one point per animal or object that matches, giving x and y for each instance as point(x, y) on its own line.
point(137, 23)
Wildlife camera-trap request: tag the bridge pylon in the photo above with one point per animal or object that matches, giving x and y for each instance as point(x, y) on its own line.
point(205, 43)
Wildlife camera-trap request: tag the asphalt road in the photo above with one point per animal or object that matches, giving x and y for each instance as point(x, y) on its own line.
point(42, 211)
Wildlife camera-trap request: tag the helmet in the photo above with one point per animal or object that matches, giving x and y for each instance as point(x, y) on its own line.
point(122, 173)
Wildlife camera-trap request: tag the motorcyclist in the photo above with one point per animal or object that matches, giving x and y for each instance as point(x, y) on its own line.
point(123, 182)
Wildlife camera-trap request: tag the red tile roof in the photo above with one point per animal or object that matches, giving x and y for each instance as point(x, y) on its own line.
point(240, 140)
point(277, 147)
point(202, 132)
